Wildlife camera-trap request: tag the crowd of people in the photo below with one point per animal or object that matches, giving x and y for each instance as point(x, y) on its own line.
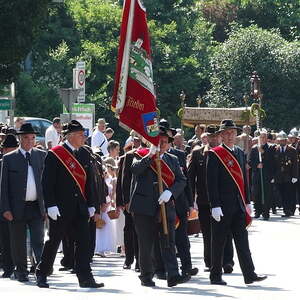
point(89, 197)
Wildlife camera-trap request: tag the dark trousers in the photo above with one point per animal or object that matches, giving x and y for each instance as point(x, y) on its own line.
point(205, 222)
point(57, 230)
point(287, 192)
point(165, 260)
point(18, 232)
point(7, 262)
point(130, 240)
point(262, 206)
point(233, 221)
point(183, 244)
point(149, 232)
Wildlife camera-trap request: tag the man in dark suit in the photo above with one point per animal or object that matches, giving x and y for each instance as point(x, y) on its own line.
point(122, 201)
point(267, 166)
point(184, 204)
point(9, 144)
point(229, 199)
point(70, 204)
point(144, 205)
point(286, 173)
point(197, 177)
point(22, 202)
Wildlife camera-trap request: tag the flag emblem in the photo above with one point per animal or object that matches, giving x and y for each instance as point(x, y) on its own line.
point(150, 122)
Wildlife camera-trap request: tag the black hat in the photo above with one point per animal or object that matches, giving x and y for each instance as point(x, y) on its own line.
point(228, 124)
point(10, 142)
point(163, 123)
point(72, 127)
point(27, 128)
point(164, 132)
point(211, 130)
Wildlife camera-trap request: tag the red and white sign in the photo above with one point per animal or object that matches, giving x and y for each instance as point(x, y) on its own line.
point(79, 80)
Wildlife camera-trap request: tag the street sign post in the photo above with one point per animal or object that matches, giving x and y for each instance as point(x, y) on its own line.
point(79, 80)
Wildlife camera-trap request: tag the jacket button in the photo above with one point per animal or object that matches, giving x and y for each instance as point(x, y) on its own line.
point(75, 195)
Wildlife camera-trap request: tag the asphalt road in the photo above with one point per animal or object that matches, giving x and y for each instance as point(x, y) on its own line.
point(275, 247)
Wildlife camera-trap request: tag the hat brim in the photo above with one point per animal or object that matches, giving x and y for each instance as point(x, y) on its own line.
point(70, 131)
point(239, 129)
point(101, 123)
point(27, 132)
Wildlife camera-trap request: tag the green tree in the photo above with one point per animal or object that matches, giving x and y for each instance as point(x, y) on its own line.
point(277, 62)
point(20, 25)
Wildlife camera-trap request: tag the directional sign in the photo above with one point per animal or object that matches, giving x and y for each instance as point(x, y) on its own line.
point(5, 104)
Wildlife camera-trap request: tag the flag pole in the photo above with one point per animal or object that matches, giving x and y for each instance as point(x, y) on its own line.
point(160, 189)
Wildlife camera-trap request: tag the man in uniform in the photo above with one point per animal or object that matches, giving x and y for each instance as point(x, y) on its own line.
point(69, 203)
point(197, 177)
point(9, 144)
point(229, 200)
point(144, 205)
point(286, 173)
point(267, 166)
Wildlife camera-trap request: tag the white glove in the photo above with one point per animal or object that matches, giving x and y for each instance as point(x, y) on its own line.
point(164, 197)
point(53, 212)
point(91, 211)
point(272, 181)
point(153, 149)
point(249, 209)
point(217, 213)
point(294, 180)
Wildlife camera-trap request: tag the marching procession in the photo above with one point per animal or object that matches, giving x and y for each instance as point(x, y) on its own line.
point(60, 195)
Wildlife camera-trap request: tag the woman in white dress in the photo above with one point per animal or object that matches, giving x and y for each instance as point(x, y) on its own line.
point(106, 236)
point(113, 149)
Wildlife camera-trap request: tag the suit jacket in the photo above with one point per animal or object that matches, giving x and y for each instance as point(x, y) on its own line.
point(144, 188)
point(197, 174)
point(14, 181)
point(185, 200)
point(222, 190)
point(267, 160)
point(286, 164)
point(61, 190)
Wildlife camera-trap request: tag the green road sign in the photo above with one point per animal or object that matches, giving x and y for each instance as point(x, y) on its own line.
point(5, 104)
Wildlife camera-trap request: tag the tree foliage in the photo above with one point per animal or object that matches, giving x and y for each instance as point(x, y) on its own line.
point(20, 25)
point(277, 62)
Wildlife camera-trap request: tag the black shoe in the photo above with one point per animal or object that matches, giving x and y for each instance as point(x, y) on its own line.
point(266, 218)
point(161, 276)
point(73, 271)
point(218, 282)
point(207, 269)
point(21, 277)
point(285, 216)
point(41, 281)
point(228, 269)
point(255, 279)
point(147, 282)
point(178, 279)
point(7, 274)
point(64, 269)
point(191, 272)
point(126, 267)
point(137, 269)
point(90, 283)
point(256, 216)
point(274, 211)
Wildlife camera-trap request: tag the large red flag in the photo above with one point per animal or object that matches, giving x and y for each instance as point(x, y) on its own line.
point(134, 100)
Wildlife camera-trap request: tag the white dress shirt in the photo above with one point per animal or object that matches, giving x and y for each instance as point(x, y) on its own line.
point(52, 136)
point(31, 193)
point(99, 140)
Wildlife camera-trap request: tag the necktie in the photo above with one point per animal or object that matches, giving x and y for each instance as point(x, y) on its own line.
point(28, 158)
point(282, 149)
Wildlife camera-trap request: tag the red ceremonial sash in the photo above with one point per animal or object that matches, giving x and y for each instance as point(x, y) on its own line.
point(234, 169)
point(72, 165)
point(167, 174)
